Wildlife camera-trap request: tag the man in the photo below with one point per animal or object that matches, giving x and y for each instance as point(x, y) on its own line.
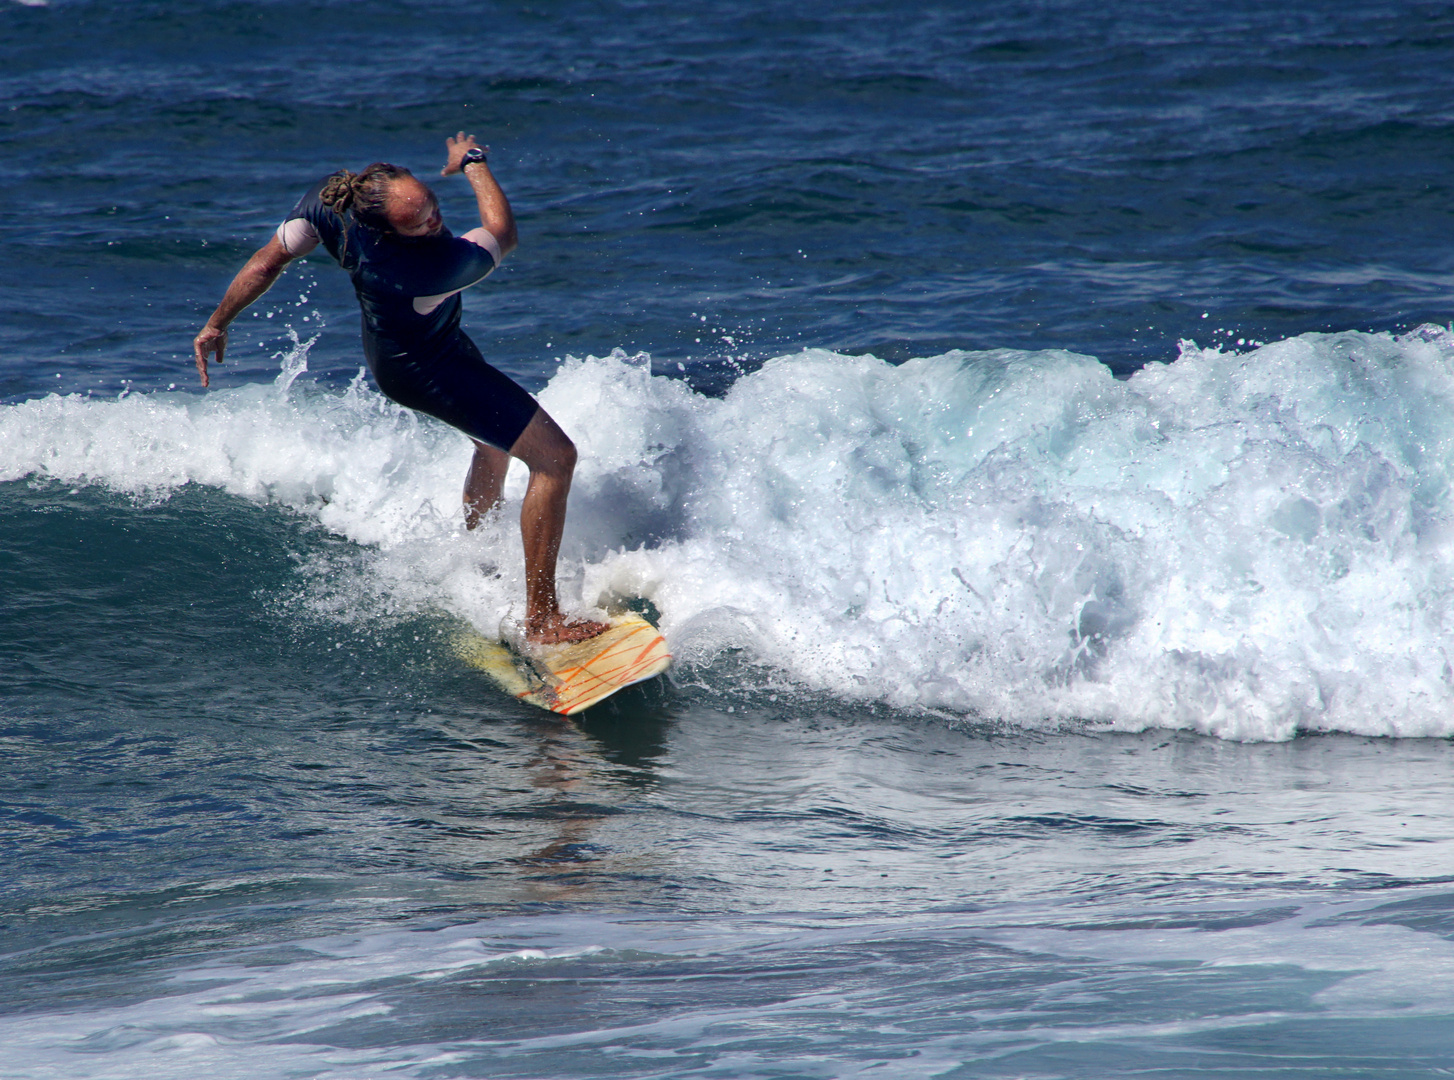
point(383, 226)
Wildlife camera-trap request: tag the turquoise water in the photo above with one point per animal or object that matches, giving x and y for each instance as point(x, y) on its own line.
point(1031, 424)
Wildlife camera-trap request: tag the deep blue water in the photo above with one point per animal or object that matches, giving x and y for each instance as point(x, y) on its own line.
point(1031, 423)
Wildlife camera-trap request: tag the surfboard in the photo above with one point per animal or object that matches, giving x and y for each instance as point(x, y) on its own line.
point(571, 677)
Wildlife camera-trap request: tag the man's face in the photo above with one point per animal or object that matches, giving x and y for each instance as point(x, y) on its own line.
point(412, 209)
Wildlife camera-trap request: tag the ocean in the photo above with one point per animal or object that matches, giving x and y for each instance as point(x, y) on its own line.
point(1031, 422)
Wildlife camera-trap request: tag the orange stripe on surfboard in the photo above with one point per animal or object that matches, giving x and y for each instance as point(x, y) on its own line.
point(579, 683)
point(566, 679)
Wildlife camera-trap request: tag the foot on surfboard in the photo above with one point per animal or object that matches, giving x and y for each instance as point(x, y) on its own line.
point(558, 630)
point(568, 678)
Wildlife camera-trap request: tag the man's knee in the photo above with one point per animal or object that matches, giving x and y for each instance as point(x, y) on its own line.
point(558, 462)
point(567, 454)
point(556, 459)
point(546, 449)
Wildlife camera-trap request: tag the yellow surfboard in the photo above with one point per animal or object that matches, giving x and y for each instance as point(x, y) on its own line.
point(568, 678)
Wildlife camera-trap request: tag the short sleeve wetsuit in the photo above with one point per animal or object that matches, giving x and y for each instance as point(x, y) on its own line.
point(408, 289)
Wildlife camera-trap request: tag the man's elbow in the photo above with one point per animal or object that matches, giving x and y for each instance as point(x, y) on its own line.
point(269, 260)
point(509, 241)
point(263, 275)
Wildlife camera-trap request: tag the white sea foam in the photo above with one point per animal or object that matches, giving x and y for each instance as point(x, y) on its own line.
point(1247, 544)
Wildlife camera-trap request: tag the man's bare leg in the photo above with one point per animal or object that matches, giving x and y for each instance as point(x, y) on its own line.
point(485, 482)
point(551, 457)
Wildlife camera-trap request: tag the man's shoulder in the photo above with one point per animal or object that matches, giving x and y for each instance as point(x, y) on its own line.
point(324, 224)
point(311, 204)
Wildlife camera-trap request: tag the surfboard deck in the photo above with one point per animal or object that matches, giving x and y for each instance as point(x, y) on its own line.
point(568, 678)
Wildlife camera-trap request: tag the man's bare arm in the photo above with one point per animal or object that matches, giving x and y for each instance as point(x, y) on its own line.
point(495, 212)
point(255, 278)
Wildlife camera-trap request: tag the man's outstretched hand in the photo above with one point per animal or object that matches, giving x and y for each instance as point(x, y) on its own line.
point(209, 340)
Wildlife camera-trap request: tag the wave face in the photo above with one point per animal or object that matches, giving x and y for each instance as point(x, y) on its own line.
point(1247, 544)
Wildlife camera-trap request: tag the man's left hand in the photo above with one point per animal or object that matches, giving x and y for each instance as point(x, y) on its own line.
point(458, 146)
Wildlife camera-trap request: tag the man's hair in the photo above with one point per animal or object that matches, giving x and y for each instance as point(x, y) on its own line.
point(365, 193)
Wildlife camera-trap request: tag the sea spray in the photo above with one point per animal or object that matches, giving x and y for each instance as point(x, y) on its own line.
point(1247, 544)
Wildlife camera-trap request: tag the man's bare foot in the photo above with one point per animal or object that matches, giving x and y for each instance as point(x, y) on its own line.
point(558, 630)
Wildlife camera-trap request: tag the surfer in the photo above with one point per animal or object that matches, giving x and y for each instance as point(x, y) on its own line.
point(383, 226)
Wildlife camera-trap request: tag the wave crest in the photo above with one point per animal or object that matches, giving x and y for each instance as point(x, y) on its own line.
point(1246, 544)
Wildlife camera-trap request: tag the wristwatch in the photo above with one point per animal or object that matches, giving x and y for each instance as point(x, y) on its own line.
point(474, 155)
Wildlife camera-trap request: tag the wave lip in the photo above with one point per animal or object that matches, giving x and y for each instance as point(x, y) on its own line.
point(1246, 544)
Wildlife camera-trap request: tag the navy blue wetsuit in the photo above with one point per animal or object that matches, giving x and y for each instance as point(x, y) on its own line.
point(408, 289)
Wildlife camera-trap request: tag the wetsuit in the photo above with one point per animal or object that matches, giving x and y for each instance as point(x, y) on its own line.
point(408, 289)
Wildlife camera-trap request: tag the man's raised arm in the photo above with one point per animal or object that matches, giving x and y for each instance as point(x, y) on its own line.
point(495, 213)
point(255, 278)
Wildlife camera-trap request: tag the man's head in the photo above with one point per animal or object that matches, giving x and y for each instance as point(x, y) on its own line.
point(411, 208)
point(385, 197)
